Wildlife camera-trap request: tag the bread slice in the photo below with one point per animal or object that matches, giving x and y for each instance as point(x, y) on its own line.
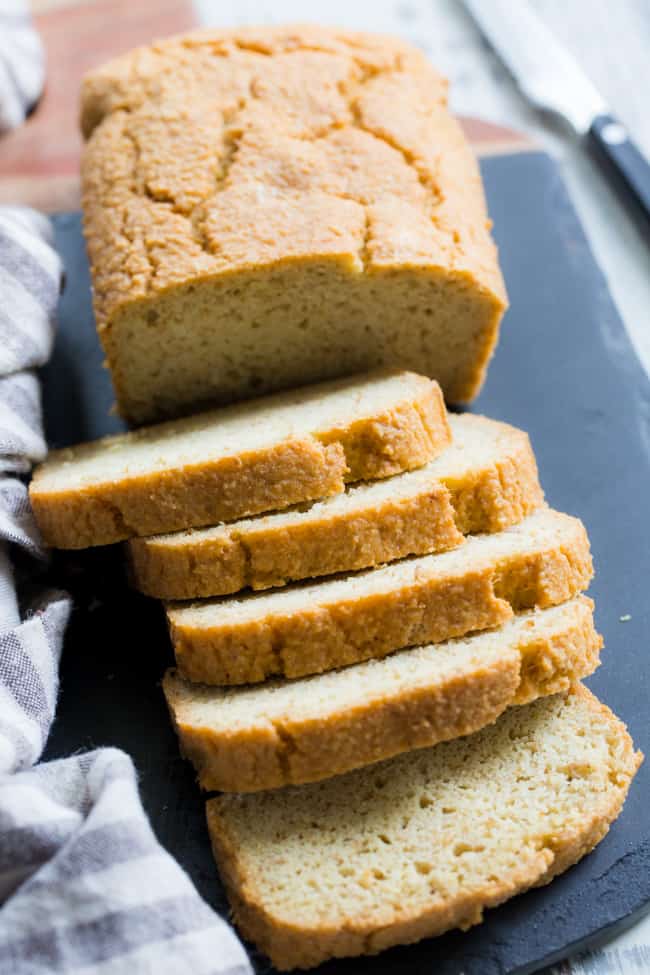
point(237, 461)
point(424, 842)
point(307, 629)
point(270, 206)
point(484, 482)
point(274, 734)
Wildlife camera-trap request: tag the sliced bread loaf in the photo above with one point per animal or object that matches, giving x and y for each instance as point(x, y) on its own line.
point(307, 629)
point(424, 842)
point(484, 482)
point(273, 734)
point(218, 466)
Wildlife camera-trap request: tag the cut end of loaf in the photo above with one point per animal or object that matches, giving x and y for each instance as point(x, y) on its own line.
point(309, 338)
point(425, 842)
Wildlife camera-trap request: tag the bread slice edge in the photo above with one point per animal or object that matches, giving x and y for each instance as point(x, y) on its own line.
point(324, 540)
point(291, 944)
point(277, 750)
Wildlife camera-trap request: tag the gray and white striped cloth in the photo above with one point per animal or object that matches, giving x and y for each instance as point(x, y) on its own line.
point(85, 887)
point(22, 63)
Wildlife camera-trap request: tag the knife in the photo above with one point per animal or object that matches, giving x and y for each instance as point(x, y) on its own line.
point(550, 78)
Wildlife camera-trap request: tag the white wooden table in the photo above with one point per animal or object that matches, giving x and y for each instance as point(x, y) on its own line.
point(612, 43)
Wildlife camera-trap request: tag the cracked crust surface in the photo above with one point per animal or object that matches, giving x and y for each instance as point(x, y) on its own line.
point(424, 842)
point(291, 732)
point(484, 482)
point(307, 629)
point(288, 197)
point(220, 466)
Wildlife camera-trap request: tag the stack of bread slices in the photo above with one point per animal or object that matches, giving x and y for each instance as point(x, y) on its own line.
point(379, 630)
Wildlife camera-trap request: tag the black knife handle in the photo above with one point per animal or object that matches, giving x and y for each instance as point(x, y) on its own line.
point(614, 143)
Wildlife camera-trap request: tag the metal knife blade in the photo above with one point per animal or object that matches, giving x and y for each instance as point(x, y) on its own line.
point(541, 66)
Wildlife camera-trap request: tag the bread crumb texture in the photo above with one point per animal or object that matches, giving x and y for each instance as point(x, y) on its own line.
point(265, 207)
point(281, 732)
point(486, 480)
point(306, 629)
point(266, 454)
point(424, 842)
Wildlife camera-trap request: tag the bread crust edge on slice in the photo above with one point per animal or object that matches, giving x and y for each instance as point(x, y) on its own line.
point(282, 752)
point(273, 555)
point(290, 946)
point(427, 610)
point(102, 514)
point(503, 494)
point(411, 432)
point(487, 499)
point(408, 435)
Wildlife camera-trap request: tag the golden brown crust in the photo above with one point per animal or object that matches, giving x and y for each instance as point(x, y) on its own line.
point(553, 663)
point(273, 554)
point(133, 78)
point(427, 609)
point(353, 85)
point(318, 639)
point(341, 146)
point(548, 577)
point(500, 495)
point(101, 514)
point(268, 753)
point(292, 752)
point(487, 498)
point(292, 945)
point(226, 488)
point(401, 438)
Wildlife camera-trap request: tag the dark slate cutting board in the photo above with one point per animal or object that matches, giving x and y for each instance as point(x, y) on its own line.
point(564, 371)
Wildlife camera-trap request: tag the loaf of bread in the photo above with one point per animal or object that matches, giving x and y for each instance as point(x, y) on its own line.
point(424, 842)
point(307, 629)
point(219, 466)
point(282, 732)
point(484, 482)
point(268, 207)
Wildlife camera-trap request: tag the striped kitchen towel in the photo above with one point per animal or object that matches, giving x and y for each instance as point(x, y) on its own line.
point(85, 886)
point(22, 63)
